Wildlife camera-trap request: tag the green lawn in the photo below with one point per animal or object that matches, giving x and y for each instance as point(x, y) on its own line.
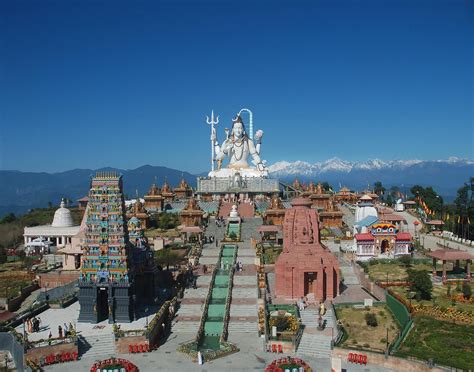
point(395, 271)
point(446, 343)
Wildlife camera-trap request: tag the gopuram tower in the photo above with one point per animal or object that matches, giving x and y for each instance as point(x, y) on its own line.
point(106, 279)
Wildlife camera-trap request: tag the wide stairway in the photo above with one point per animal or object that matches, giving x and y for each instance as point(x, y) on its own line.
point(246, 210)
point(225, 209)
point(315, 343)
point(98, 346)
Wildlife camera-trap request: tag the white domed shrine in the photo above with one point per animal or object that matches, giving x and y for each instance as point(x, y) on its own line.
point(62, 216)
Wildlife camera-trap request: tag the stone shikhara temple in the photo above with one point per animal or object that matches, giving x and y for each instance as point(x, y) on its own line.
point(305, 267)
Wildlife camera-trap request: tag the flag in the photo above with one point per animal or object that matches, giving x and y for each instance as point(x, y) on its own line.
point(447, 217)
point(459, 219)
point(468, 221)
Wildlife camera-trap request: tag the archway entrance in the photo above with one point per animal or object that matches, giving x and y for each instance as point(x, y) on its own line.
point(309, 283)
point(384, 247)
point(102, 304)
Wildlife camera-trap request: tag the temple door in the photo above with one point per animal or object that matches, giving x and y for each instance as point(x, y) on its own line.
point(309, 279)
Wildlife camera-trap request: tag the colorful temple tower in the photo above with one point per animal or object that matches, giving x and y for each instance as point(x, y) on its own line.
point(106, 279)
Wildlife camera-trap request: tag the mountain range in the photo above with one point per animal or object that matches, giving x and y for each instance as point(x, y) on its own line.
point(20, 191)
point(446, 176)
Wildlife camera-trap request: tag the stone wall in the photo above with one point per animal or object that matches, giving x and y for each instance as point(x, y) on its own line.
point(122, 343)
point(57, 278)
point(15, 303)
point(365, 282)
point(42, 352)
point(391, 362)
point(222, 185)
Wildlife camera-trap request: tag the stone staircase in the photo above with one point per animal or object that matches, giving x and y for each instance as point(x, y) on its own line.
point(98, 346)
point(315, 343)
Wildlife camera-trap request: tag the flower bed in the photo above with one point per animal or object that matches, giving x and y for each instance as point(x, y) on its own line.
point(288, 363)
point(450, 314)
point(114, 364)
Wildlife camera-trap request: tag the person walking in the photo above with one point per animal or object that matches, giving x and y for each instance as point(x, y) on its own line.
point(60, 331)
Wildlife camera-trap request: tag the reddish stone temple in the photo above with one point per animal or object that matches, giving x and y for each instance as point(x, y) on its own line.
point(183, 190)
point(275, 214)
point(305, 267)
point(191, 215)
point(154, 200)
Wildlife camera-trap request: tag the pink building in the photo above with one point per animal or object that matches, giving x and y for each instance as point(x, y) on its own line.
point(305, 267)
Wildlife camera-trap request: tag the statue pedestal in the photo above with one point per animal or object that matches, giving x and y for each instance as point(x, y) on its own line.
point(243, 172)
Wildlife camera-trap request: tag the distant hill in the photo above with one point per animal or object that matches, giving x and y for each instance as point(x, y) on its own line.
point(21, 191)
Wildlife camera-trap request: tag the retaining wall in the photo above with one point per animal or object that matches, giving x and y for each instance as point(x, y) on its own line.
point(391, 362)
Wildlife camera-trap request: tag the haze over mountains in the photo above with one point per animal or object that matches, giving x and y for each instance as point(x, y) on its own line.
point(20, 191)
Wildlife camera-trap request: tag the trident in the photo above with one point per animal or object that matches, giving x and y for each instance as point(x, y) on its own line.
point(212, 123)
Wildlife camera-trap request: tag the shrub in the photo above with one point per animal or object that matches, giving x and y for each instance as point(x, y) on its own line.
point(420, 283)
point(405, 260)
point(466, 290)
point(371, 320)
point(458, 287)
point(382, 313)
point(281, 322)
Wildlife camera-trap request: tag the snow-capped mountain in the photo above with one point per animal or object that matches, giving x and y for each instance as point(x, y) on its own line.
point(284, 168)
point(445, 175)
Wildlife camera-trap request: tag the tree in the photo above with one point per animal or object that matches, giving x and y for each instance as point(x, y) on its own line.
point(3, 255)
point(326, 186)
point(10, 217)
point(420, 283)
point(466, 290)
point(379, 189)
point(389, 200)
point(464, 208)
point(371, 320)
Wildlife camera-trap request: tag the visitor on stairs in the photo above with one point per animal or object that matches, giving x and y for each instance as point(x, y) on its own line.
point(301, 304)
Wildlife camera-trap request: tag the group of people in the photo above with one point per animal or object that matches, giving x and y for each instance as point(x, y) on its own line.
point(33, 324)
point(64, 331)
point(220, 221)
point(209, 239)
point(239, 266)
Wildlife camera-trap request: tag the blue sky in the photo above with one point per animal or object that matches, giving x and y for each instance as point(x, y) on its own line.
point(86, 84)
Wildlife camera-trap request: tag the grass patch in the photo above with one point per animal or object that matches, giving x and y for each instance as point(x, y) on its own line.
point(362, 335)
point(395, 271)
point(446, 343)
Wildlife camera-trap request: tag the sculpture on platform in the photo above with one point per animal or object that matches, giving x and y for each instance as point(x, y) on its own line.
point(238, 147)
